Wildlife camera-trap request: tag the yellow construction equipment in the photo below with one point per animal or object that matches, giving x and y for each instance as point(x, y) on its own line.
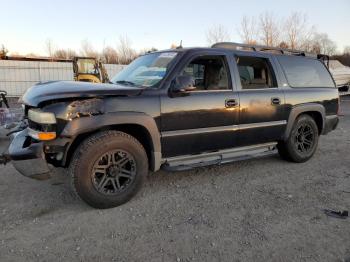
point(89, 69)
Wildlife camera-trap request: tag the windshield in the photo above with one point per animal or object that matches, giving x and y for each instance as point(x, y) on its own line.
point(147, 70)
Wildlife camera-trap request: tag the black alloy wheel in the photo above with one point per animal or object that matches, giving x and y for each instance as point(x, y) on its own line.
point(113, 172)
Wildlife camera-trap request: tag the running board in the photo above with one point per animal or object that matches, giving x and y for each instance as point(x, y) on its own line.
point(218, 157)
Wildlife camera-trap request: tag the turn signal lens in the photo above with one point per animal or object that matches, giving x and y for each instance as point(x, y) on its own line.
point(42, 136)
point(46, 136)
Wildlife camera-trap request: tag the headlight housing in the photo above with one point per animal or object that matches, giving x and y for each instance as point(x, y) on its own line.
point(41, 117)
point(41, 125)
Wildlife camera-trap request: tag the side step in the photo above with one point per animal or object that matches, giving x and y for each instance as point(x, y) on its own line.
point(218, 157)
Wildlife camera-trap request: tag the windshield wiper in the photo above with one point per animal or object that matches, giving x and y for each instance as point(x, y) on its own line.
point(124, 82)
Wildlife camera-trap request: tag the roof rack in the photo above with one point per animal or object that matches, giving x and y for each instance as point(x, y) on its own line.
point(262, 48)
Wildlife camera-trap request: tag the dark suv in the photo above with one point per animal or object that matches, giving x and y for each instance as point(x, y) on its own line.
point(176, 109)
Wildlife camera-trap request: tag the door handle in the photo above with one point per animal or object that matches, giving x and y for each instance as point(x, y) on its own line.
point(275, 101)
point(231, 103)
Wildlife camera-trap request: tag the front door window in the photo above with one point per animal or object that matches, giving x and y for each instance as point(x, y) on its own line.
point(209, 73)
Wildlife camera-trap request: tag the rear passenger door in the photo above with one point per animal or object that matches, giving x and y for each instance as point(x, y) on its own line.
point(262, 114)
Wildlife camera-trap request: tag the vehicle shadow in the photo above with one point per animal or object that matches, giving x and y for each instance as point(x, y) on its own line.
point(57, 193)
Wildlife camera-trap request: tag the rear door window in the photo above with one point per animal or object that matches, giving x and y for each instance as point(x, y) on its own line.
point(255, 72)
point(305, 72)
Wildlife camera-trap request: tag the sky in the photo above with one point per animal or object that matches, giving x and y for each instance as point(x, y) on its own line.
point(26, 25)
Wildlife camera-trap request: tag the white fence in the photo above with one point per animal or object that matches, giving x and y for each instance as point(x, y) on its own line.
point(17, 76)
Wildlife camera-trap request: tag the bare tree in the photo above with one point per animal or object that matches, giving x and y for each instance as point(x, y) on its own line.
point(248, 30)
point(322, 44)
point(269, 29)
point(217, 33)
point(65, 53)
point(346, 50)
point(87, 49)
point(110, 55)
point(298, 33)
point(283, 45)
point(125, 51)
point(50, 47)
point(3, 51)
point(32, 55)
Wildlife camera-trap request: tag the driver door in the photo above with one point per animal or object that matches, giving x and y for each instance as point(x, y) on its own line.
point(205, 118)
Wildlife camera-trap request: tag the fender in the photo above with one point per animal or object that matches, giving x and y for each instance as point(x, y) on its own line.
point(299, 109)
point(89, 124)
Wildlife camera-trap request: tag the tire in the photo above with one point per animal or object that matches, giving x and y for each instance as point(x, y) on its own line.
point(108, 169)
point(302, 141)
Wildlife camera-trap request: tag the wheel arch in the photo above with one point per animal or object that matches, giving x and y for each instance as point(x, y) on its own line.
point(139, 125)
point(316, 111)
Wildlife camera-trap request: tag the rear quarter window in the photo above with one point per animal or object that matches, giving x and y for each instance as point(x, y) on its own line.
point(305, 72)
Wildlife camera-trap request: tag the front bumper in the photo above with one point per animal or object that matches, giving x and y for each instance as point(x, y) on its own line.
point(27, 157)
point(330, 124)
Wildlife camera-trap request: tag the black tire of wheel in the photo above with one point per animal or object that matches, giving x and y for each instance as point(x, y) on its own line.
point(287, 149)
point(89, 151)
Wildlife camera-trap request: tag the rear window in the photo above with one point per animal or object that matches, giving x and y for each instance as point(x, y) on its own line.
point(305, 72)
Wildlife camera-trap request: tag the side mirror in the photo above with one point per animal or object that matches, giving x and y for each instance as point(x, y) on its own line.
point(183, 84)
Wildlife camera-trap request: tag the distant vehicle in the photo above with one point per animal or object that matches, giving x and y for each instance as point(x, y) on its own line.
point(176, 109)
point(341, 74)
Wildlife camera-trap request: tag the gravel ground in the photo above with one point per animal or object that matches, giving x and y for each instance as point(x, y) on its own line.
point(257, 210)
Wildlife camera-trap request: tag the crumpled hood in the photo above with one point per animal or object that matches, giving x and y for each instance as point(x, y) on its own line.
point(70, 89)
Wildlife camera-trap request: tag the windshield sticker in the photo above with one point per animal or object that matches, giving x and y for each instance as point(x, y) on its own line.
point(168, 55)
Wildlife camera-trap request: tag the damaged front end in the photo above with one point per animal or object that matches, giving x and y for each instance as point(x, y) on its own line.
point(25, 154)
point(86, 107)
point(39, 143)
point(28, 157)
point(6, 134)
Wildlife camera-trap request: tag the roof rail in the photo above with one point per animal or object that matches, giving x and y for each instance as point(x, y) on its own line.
point(262, 48)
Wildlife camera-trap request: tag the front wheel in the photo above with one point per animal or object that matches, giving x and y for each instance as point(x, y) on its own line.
point(108, 169)
point(302, 141)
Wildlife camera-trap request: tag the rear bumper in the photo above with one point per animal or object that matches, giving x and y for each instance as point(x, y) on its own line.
point(28, 158)
point(330, 124)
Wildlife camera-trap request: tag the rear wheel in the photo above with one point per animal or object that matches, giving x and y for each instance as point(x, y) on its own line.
point(302, 141)
point(108, 169)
